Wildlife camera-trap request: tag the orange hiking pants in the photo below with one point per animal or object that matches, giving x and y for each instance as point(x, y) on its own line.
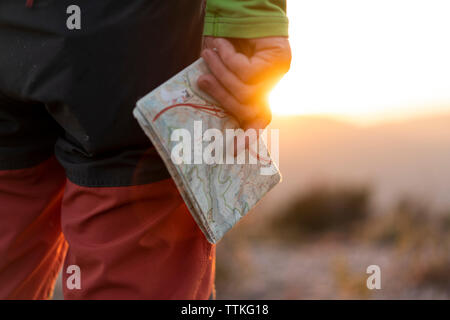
point(137, 242)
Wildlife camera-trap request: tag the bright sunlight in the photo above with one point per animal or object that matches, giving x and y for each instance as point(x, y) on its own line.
point(380, 59)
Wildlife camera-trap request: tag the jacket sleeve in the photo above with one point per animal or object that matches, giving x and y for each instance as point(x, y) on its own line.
point(246, 18)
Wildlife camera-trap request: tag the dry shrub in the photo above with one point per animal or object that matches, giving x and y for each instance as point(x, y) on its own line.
point(323, 209)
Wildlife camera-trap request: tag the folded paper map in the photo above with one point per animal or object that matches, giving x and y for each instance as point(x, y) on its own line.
point(217, 193)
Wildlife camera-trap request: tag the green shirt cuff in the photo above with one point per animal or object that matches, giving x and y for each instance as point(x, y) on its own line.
point(248, 27)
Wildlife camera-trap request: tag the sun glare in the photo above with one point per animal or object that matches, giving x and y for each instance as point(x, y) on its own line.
point(366, 60)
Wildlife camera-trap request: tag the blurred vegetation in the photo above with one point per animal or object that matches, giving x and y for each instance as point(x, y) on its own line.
point(349, 282)
point(413, 229)
point(338, 228)
point(323, 210)
point(409, 224)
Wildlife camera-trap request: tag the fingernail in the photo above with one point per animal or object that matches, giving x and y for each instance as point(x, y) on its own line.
point(261, 124)
point(205, 81)
point(202, 82)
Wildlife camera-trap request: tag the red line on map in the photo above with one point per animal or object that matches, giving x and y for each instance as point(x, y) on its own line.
point(259, 157)
point(205, 108)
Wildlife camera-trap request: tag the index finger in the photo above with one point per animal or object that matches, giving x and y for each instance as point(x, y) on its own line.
point(248, 69)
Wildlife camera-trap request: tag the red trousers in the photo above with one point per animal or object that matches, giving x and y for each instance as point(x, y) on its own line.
point(136, 242)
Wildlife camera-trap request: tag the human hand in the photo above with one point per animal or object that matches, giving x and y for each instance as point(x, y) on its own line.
point(243, 71)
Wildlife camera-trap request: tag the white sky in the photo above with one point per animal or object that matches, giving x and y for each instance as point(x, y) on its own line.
point(367, 60)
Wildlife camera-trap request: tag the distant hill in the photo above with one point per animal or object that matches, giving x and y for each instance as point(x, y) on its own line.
point(401, 158)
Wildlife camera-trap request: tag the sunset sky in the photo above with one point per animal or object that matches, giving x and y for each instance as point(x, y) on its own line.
point(367, 61)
